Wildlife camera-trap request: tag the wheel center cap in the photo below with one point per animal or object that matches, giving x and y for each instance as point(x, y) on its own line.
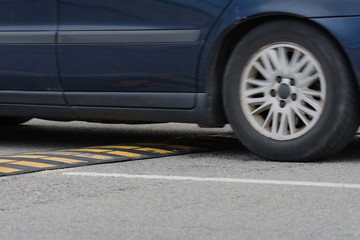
point(284, 91)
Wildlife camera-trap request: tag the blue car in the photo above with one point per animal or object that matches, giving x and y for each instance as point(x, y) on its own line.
point(284, 73)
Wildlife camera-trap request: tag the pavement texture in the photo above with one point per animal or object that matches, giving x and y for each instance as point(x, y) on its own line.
point(55, 205)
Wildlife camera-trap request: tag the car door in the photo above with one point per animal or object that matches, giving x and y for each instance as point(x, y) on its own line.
point(28, 65)
point(132, 53)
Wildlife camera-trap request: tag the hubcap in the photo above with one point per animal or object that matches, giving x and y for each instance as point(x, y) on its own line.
point(283, 91)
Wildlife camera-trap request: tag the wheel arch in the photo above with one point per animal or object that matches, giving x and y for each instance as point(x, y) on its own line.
point(226, 42)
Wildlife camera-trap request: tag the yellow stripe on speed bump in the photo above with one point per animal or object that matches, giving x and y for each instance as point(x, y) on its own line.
point(87, 150)
point(24, 156)
point(6, 160)
point(32, 164)
point(37, 161)
point(138, 148)
point(57, 159)
point(121, 147)
point(125, 154)
point(147, 149)
point(107, 151)
point(63, 160)
point(153, 150)
point(84, 155)
point(9, 170)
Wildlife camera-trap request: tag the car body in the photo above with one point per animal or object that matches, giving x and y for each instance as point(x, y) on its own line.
point(135, 61)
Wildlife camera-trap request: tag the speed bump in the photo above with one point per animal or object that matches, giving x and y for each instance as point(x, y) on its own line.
point(38, 161)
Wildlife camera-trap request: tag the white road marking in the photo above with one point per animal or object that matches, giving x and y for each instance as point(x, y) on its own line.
point(225, 180)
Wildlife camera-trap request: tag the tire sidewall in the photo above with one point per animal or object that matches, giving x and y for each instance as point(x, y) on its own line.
point(312, 142)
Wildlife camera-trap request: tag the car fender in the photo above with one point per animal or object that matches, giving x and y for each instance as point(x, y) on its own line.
point(240, 11)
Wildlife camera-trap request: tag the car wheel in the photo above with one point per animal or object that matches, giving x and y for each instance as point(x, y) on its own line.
point(289, 94)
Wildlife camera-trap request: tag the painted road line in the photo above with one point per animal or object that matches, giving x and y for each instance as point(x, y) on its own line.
point(9, 170)
point(221, 180)
point(32, 164)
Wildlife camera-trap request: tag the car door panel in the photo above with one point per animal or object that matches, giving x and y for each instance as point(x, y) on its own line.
point(132, 46)
point(27, 51)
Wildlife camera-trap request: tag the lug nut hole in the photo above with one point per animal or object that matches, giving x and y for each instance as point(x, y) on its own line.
point(282, 103)
point(273, 93)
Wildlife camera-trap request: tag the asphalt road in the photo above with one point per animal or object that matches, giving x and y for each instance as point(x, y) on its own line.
point(227, 194)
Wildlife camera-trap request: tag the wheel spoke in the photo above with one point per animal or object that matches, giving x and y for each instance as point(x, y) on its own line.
point(283, 91)
point(268, 118)
point(308, 81)
point(312, 102)
point(291, 121)
point(254, 91)
point(309, 68)
point(283, 125)
point(304, 60)
point(307, 111)
point(301, 115)
point(275, 59)
point(265, 106)
point(261, 70)
point(255, 101)
point(275, 123)
point(257, 82)
point(283, 59)
point(265, 59)
point(294, 59)
point(312, 93)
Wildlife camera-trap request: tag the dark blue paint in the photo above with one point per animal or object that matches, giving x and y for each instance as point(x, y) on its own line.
point(129, 68)
point(134, 67)
point(347, 32)
point(241, 10)
point(140, 67)
point(138, 14)
point(28, 15)
point(305, 8)
point(26, 66)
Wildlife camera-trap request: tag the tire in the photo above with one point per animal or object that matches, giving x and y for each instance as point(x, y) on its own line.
point(289, 94)
point(12, 121)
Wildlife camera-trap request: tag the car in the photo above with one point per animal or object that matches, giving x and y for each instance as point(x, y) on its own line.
point(284, 74)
